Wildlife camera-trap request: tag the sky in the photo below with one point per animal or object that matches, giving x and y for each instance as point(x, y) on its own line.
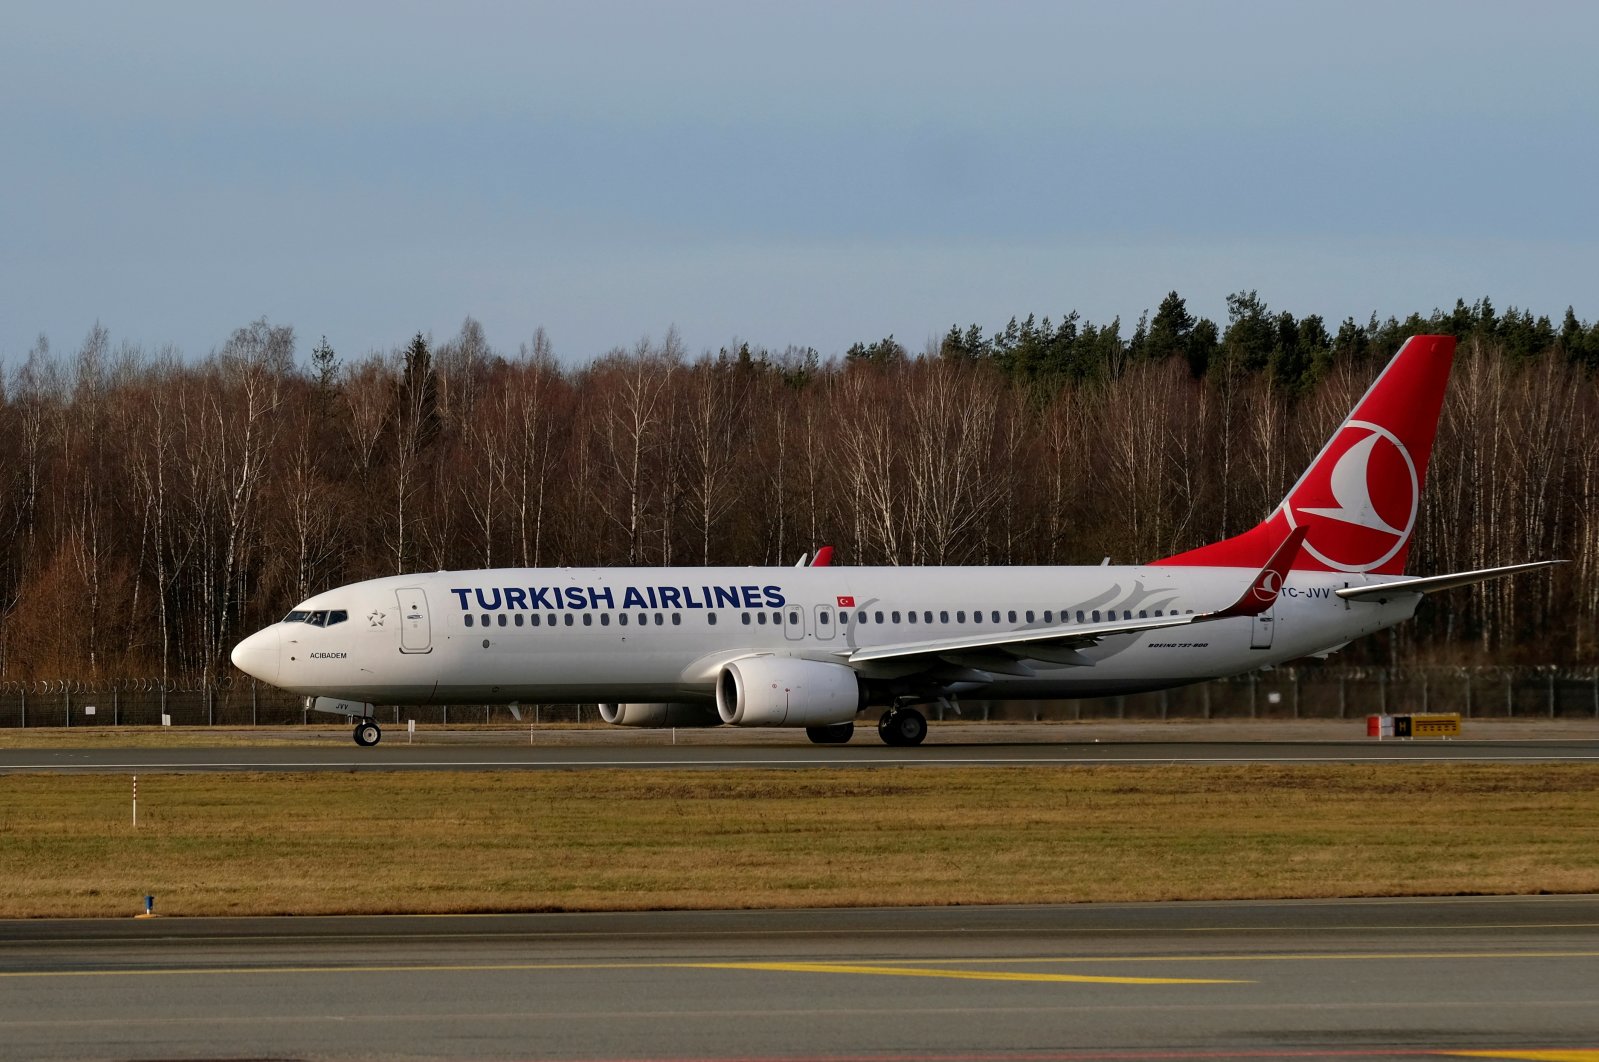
point(780, 173)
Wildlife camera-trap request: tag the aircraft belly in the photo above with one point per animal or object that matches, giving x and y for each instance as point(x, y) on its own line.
point(515, 674)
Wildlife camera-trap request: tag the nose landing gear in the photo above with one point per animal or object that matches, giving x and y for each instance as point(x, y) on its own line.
point(367, 732)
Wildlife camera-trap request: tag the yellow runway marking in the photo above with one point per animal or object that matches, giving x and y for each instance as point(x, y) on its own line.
point(1305, 957)
point(962, 975)
point(925, 967)
point(1532, 1056)
point(789, 967)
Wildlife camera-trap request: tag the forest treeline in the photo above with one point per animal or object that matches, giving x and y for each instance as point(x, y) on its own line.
point(158, 507)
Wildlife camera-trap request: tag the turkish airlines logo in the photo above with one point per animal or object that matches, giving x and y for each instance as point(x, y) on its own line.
point(1358, 503)
point(1267, 586)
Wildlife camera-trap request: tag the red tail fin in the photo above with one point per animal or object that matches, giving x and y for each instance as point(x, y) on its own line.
point(1358, 500)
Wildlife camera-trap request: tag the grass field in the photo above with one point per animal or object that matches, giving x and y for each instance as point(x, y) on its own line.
point(589, 840)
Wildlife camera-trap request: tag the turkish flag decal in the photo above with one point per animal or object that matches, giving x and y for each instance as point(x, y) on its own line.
point(845, 601)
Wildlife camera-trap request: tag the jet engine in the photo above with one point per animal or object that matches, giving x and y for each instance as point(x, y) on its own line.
point(783, 691)
point(670, 713)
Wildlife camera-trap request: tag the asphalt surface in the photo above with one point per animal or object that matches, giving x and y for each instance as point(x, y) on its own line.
point(953, 746)
point(1365, 979)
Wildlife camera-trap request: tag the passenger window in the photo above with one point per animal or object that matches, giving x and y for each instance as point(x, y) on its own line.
point(468, 620)
point(621, 619)
point(911, 616)
point(1029, 615)
point(569, 619)
point(824, 617)
point(895, 616)
point(943, 617)
point(518, 619)
point(995, 615)
point(977, 617)
point(1142, 614)
point(760, 617)
point(605, 619)
point(660, 619)
point(588, 619)
point(746, 616)
point(860, 617)
point(927, 617)
point(1080, 615)
point(793, 618)
point(1096, 615)
point(485, 619)
point(677, 619)
point(1047, 614)
point(960, 616)
point(710, 619)
point(1011, 616)
point(503, 620)
point(533, 620)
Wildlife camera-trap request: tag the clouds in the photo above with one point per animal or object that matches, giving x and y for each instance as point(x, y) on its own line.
point(607, 169)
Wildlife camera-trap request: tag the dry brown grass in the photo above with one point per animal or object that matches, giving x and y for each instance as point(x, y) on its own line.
point(518, 841)
point(155, 737)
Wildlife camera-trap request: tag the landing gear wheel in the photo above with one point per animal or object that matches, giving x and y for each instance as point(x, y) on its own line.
point(837, 734)
point(902, 726)
point(368, 733)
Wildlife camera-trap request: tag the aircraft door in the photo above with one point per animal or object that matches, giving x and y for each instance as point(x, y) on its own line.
point(793, 622)
point(1260, 629)
point(825, 626)
point(416, 631)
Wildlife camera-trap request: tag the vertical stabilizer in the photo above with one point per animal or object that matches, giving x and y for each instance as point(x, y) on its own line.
point(1358, 500)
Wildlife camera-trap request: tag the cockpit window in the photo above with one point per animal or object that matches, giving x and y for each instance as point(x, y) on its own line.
point(318, 618)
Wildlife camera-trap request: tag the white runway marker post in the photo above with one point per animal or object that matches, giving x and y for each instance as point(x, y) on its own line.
point(136, 802)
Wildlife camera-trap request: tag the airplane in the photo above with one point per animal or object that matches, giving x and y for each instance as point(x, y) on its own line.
point(818, 645)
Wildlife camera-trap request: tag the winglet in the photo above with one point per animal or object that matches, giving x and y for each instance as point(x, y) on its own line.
point(1268, 582)
point(824, 557)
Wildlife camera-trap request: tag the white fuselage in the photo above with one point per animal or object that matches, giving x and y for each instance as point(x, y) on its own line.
point(654, 634)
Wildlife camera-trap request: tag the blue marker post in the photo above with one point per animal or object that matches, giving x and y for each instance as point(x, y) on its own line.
point(149, 908)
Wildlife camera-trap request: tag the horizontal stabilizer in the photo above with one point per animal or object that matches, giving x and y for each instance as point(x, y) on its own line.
point(1433, 583)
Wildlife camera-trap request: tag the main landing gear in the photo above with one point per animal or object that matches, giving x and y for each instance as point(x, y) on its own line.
point(902, 726)
point(367, 732)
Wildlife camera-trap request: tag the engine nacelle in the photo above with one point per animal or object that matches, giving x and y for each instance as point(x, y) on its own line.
point(783, 691)
point(671, 713)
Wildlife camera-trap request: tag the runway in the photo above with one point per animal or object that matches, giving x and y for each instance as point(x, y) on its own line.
point(392, 755)
point(1515, 977)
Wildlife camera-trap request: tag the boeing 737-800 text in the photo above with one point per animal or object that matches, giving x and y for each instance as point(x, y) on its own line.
point(816, 646)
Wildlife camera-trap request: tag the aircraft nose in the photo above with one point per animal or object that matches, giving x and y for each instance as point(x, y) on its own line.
point(259, 655)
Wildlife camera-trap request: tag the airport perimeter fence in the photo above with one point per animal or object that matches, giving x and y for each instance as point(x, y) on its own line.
point(1286, 693)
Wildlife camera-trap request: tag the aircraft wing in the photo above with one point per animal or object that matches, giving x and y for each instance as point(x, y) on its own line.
point(1060, 644)
point(1433, 583)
